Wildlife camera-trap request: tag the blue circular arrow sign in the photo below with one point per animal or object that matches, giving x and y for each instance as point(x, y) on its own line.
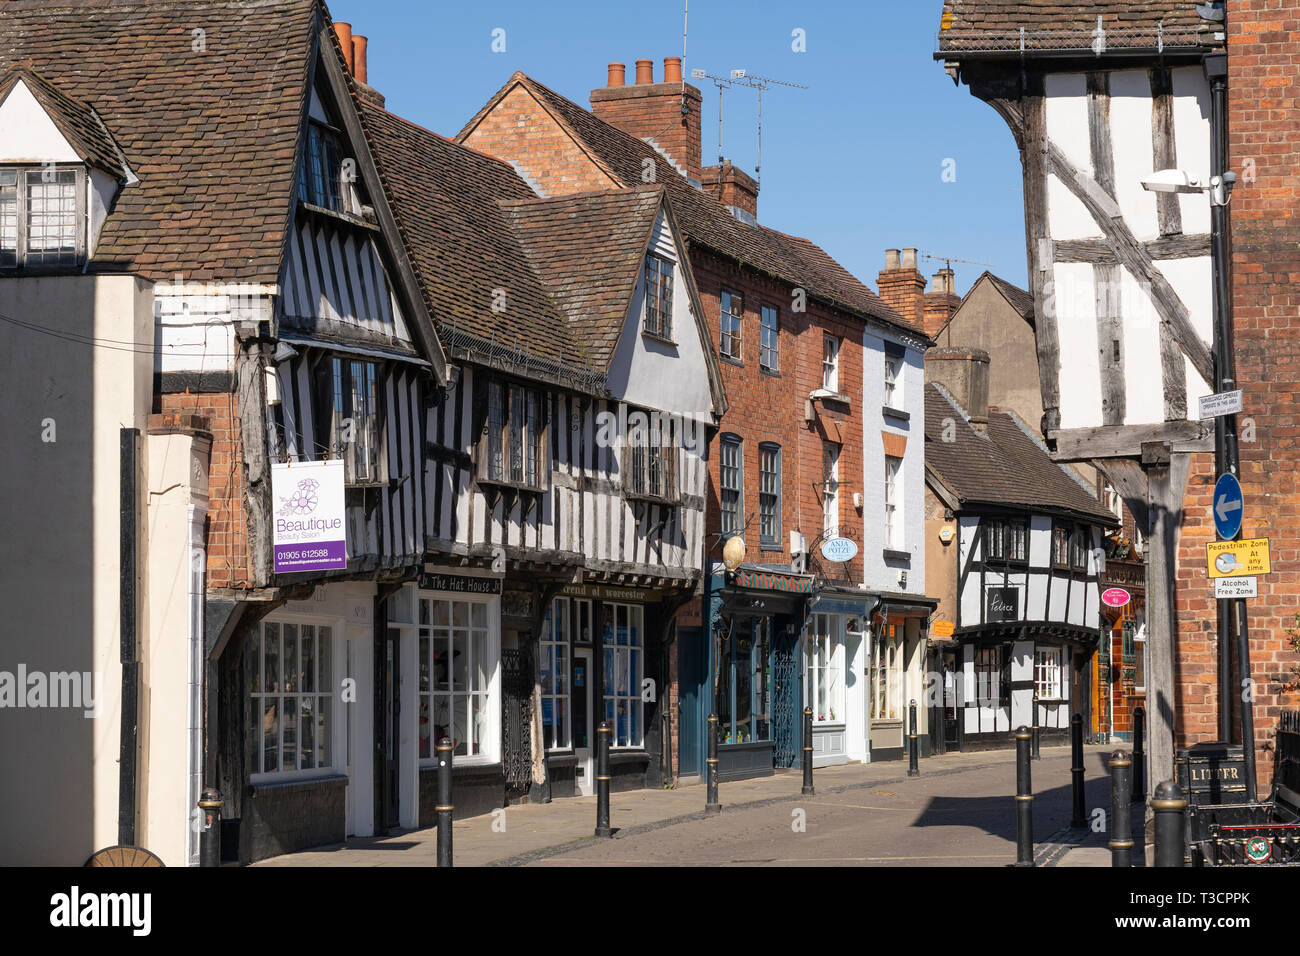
point(1228, 507)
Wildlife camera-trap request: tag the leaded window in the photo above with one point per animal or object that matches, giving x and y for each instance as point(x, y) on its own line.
point(659, 296)
point(41, 217)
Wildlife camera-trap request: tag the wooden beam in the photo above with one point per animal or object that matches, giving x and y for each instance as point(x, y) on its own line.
point(1164, 152)
point(1042, 255)
point(1166, 247)
point(1107, 286)
point(1128, 478)
point(1134, 257)
point(1126, 441)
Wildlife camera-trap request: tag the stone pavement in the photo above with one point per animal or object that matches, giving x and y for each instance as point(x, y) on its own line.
point(534, 832)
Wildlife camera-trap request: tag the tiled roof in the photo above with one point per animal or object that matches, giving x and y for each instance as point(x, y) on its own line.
point(77, 121)
point(703, 219)
point(211, 132)
point(993, 26)
point(1006, 467)
point(588, 250)
point(447, 202)
point(1017, 298)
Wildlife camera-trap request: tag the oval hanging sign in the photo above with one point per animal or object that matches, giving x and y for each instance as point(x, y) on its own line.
point(1115, 597)
point(839, 549)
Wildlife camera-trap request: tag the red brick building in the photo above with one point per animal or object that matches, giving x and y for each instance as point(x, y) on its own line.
point(802, 454)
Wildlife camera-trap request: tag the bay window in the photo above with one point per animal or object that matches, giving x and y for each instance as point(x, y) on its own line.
point(624, 648)
point(291, 696)
point(457, 677)
point(824, 668)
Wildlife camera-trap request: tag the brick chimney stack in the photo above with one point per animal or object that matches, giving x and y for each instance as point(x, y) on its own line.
point(940, 302)
point(902, 287)
point(732, 186)
point(666, 114)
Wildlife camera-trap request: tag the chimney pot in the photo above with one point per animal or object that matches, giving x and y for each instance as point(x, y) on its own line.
point(909, 258)
point(359, 58)
point(891, 259)
point(344, 33)
point(645, 72)
point(617, 74)
point(672, 69)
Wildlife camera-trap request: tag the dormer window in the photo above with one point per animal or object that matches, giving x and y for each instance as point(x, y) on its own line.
point(320, 177)
point(42, 217)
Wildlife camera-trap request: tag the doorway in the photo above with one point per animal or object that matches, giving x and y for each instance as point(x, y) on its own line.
point(388, 710)
point(951, 733)
point(582, 728)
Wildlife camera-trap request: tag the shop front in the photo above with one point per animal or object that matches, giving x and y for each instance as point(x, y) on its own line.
point(756, 618)
point(836, 648)
point(896, 674)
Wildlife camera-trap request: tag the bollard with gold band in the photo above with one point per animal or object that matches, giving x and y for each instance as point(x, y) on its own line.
point(602, 780)
point(1121, 822)
point(711, 804)
point(1024, 800)
point(443, 809)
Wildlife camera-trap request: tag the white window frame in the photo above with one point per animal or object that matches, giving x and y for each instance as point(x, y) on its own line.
point(831, 362)
point(769, 343)
point(557, 632)
point(831, 488)
point(732, 522)
point(1047, 673)
point(893, 495)
point(731, 308)
point(885, 672)
point(627, 665)
point(334, 719)
point(824, 668)
point(21, 212)
point(895, 360)
point(490, 722)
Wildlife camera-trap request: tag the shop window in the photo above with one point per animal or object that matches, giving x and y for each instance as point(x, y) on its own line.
point(624, 651)
point(1047, 673)
point(988, 676)
point(458, 664)
point(886, 672)
point(824, 668)
point(291, 694)
point(744, 692)
point(555, 648)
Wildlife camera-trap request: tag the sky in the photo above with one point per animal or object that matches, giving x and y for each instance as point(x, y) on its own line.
point(880, 151)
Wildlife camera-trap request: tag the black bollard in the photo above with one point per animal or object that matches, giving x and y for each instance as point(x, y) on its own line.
point(210, 834)
point(1024, 801)
point(444, 808)
point(711, 804)
point(1038, 730)
point(912, 745)
point(602, 780)
point(1139, 756)
point(1170, 808)
point(807, 750)
point(1077, 819)
point(1121, 822)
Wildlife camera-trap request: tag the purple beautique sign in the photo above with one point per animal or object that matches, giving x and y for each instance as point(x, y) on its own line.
point(309, 531)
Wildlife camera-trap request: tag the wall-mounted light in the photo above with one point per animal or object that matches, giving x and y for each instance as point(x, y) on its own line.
point(733, 553)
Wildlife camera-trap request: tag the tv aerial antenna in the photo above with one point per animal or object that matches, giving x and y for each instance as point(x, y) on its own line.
point(722, 83)
point(949, 260)
point(760, 83)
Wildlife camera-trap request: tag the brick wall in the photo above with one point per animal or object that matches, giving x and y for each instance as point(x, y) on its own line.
point(541, 151)
point(228, 559)
point(653, 112)
point(1264, 134)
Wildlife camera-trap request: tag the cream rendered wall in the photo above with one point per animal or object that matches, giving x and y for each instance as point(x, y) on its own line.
point(170, 721)
point(30, 136)
point(60, 575)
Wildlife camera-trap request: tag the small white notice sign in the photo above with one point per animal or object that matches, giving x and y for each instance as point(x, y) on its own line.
point(1222, 403)
point(1228, 588)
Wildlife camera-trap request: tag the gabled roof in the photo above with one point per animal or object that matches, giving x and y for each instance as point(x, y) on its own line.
point(588, 250)
point(211, 133)
point(993, 26)
point(76, 120)
point(447, 202)
point(703, 219)
point(1017, 298)
point(1007, 467)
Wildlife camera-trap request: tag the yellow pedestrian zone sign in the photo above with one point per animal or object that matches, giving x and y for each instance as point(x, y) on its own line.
point(1235, 559)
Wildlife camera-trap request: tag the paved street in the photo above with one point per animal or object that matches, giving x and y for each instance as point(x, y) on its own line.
point(958, 812)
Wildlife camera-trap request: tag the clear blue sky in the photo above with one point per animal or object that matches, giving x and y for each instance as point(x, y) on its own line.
point(854, 163)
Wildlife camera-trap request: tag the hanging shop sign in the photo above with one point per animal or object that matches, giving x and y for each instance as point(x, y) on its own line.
point(943, 628)
point(309, 529)
point(1115, 597)
point(839, 549)
point(1002, 604)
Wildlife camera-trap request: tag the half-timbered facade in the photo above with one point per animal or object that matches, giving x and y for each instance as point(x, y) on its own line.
point(1020, 568)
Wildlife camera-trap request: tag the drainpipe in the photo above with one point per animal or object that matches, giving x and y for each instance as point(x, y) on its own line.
point(128, 593)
